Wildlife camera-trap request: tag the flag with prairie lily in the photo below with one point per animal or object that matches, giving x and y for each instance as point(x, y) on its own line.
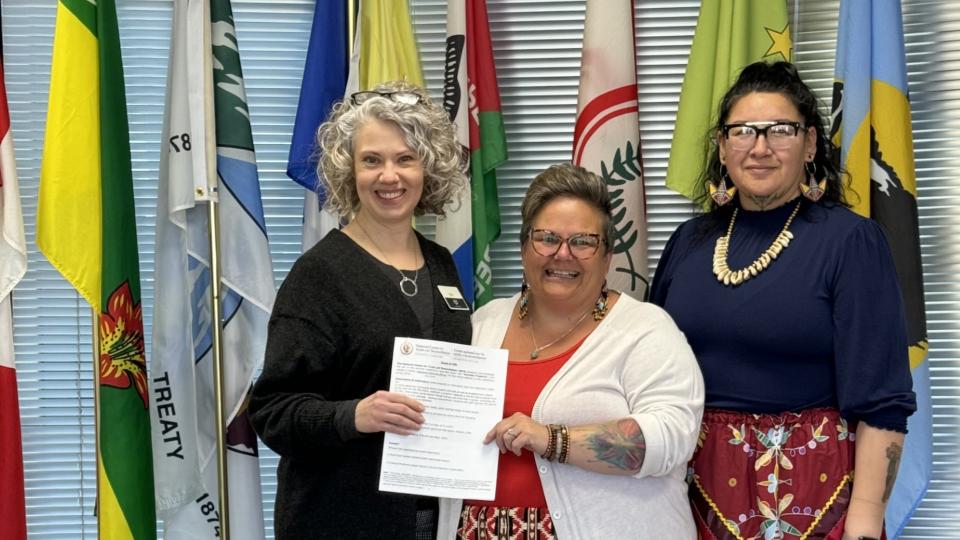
point(871, 111)
point(86, 227)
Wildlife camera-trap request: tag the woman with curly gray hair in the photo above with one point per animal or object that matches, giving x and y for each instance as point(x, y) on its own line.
point(322, 403)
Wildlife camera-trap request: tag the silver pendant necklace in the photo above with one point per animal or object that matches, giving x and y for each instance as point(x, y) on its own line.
point(535, 353)
point(408, 286)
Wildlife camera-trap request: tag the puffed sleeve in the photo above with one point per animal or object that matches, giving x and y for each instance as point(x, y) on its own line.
point(869, 332)
point(664, 390)
point(663, 276)
point(289, 407)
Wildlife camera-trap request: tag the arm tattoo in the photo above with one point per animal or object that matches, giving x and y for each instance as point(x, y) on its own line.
point(621, 446)
point(893, 463)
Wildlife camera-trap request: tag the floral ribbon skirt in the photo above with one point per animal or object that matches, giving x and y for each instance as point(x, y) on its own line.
point(785, 476)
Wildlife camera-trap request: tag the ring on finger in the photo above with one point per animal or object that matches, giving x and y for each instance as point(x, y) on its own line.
point(512, 432)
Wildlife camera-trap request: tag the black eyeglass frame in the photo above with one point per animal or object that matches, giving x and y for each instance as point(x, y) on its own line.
point(533, 243)
point(762, 127)
point(367, 95)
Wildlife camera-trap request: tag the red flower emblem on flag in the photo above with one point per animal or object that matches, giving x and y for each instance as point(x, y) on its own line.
point(122, 358)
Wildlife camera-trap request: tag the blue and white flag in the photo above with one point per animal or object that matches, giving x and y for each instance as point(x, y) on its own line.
point(871, 124)
point(324, 79)
point(207, 158)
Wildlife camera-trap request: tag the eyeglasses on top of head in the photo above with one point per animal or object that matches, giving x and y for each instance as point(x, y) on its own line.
point(780, 135)
point(581, 246)
point(401, 96)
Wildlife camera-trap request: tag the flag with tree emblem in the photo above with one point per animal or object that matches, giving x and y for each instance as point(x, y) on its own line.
point(606, 137)
point(871, 111)
point(730, 35)
point(207, 157)
point(472, 99)
point(86, 227)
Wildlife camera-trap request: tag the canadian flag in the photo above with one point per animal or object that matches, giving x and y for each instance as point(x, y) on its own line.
point(13, 264)
point(606, 138)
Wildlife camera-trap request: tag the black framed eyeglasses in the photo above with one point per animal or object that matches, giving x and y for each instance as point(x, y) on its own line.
point(401, 96)
point(780, 135)
point(581, 246)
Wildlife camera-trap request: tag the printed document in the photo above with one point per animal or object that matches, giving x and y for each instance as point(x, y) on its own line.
point(461, 388)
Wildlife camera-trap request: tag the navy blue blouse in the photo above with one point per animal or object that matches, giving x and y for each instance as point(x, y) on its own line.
point(822, 326)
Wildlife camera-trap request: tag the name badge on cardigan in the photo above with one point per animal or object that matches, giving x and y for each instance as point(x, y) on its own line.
point(453, 298)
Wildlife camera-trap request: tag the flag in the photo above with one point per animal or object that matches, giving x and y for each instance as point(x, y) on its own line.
point(606, 137)
point(324, 80)
point(730, 35)
point(207, 157)
point(871, 112)
point(383, 47)
point(86, 227)
point(471, 97)
point(13, 264)
point(388, 50)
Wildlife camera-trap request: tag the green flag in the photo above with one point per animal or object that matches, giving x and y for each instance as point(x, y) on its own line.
point(86, 227)
point(730, 35)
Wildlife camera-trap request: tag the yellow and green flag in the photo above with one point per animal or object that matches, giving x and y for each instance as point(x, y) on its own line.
point(730, 35)
point(86, 227)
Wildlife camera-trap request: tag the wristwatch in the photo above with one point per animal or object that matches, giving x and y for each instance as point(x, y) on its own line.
point(867, 538)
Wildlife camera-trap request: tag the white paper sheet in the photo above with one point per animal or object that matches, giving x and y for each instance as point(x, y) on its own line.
point(462, 389)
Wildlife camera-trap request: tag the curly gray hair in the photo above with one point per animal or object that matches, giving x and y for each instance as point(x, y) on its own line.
point(427, 130)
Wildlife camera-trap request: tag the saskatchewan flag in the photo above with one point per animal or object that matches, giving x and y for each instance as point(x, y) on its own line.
point(86, 228)
point(730, 35)
point(871, 111)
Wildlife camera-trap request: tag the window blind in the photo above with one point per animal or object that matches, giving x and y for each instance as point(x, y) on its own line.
point(537, 52)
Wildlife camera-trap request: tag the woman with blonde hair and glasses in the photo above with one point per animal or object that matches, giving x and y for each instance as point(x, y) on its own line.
point(322, 401)
point(603, 395)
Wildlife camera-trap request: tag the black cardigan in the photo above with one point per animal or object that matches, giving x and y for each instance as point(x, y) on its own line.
point(330, 344)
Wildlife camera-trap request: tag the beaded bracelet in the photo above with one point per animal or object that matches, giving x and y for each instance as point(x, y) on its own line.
point(564, 443)
point(551, 452)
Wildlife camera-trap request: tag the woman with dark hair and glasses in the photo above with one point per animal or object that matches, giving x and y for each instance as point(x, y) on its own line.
point(322, 401)
point(603, 395)
point(791, 304)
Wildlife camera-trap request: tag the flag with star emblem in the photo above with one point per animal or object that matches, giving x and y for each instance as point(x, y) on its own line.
point(207, 158)
point(730, 34)
point(86, 227)
point(871, 111)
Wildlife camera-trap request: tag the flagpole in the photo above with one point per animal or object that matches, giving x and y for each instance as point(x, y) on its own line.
point(217, 327)
point(351, 26)
point(222, 482)
point(95, 335)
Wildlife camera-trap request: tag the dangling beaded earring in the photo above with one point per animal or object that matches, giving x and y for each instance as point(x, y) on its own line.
point(524, 298)
point(600, 309)
point(812, 189)
point(720, 194)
